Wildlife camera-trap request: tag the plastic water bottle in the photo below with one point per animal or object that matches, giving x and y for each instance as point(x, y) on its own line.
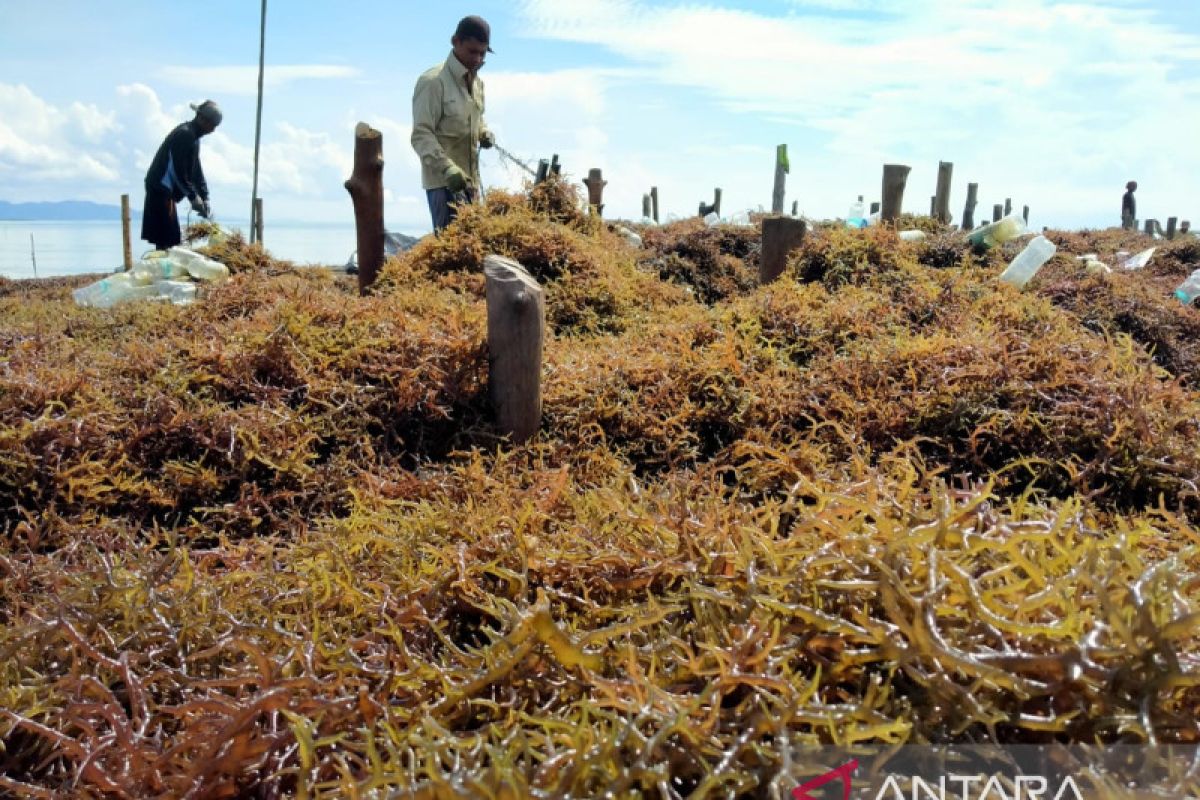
point(197, 265)
point(857, 216)
point(156, 268)
point(181, 293)
point(1189, 290)
point(1005, 230)
point(106, 292)
point(1028, 262)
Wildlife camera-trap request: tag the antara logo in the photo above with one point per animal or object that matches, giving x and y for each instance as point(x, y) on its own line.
point(967, 787)
point(842, 773)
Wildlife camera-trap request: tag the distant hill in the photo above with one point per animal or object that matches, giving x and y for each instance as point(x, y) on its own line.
point(62, 210)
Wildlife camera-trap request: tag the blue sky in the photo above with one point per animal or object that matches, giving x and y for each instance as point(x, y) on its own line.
point(1053, 104)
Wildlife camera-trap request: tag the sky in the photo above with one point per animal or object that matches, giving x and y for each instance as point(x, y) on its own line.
point(1052, 104)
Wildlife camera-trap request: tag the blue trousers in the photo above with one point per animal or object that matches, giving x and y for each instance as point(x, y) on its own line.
point(441, 205)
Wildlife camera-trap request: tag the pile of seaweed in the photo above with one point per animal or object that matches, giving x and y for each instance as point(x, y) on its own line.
point(271, 545)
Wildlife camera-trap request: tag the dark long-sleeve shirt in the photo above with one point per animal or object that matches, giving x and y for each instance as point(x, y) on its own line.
point(176, 166)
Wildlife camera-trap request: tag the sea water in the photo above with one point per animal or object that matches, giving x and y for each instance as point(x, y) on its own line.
point(74, 248)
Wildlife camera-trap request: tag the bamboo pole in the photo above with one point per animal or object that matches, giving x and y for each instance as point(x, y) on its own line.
point(258, 219)
point(780, 236)
point(366, 191)
point(126, 234)
point(654, 201)
point(33, 254)
point(255, 222)
point(516, 316)
point(941, 205)
point(895, 176)
point(969, 209)
point(781, 170)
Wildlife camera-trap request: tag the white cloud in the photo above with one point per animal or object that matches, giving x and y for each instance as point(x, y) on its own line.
point(1029, 97)
point(243, 80)
point(43, 144)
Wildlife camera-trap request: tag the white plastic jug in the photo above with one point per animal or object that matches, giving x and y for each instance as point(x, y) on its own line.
point(1028, 262)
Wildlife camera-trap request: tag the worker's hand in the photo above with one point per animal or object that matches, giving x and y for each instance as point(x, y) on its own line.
point(456, 181)
point(201, 207)
point(487, 140)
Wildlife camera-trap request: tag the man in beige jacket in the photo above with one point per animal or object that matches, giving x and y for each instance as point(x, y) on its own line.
point(448, 125)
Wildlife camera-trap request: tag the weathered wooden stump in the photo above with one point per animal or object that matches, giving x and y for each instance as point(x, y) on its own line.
point(941, 205)
point(782, 167)
point(516, 313)
point(647, 212)
point(595, 184)
point(1007, 206)
point(543, 171)
point(969, 209)
point(997, 212)
point(895, 176)
point(780, 236)
point(366, 191)
point(1171, 223)
point(1025, 214)
point(874, 209)
point(654, 201)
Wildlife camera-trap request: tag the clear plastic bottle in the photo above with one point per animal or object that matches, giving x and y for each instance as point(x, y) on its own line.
point(857, 218)
point(1028, 262)
point(1189, 290)
point(110, 291)
point(197, 265)
point(157, 266)
point(1005, 230)
point(181, 293)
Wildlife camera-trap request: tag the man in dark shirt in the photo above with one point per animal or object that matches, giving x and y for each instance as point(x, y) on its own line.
point(1129, 207)
point(174, 174)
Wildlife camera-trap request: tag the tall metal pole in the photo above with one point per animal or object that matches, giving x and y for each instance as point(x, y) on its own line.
point(262, 49)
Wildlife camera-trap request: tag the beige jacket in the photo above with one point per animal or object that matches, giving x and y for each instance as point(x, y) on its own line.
point(447, 123)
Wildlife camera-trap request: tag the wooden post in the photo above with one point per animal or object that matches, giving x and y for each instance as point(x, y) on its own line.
point(933, 202)
point(941, 205)
point(542, 171)
point(780, 236)
point(595, 184)
point(895, 176)
point(874, 209)
point(366, 191)
point(969, 209)
point(1149, 227)
point(126, 237)
point(555, 167)
point(1007, 206)
point(258, 220)
point(646, 210)
point(997, 212)
point(717, 201)
point(781, 169)
point(1171, 223)
point(654, 201)
point(516, 318)
point(795, 208)
point(1025, 214)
